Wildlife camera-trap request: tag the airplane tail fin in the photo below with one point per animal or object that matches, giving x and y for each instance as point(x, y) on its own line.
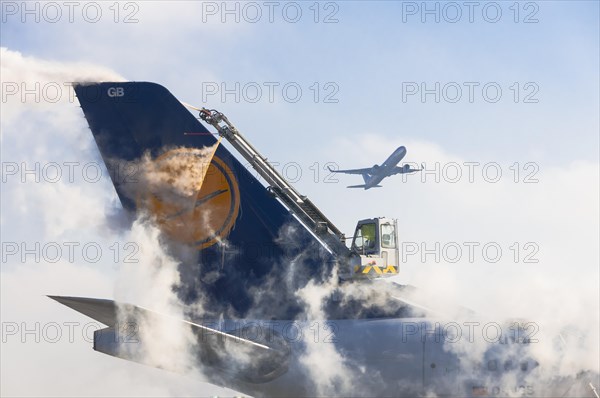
point(197, 192)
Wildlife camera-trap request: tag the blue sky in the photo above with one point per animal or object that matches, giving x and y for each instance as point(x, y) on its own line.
point(368, 53)
point(368, 57)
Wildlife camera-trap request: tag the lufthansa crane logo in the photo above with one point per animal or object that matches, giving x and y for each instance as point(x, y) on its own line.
point(198, 202)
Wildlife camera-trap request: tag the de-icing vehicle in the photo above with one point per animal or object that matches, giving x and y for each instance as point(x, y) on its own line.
point(374, 251)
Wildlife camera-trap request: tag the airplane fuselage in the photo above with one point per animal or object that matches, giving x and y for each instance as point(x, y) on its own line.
point(396, 357)
point(386, 168)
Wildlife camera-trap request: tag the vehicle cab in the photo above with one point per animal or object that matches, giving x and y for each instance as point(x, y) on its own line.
point(375, 248)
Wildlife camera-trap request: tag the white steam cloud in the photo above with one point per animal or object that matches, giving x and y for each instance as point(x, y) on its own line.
point(150, 283)
point(326, 366)
point(42, 124)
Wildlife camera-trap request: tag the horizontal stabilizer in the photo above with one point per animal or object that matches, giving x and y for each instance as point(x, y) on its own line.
point(104, 311)
point(222, 354)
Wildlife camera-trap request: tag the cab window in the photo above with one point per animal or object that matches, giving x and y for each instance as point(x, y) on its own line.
point(388, 236)
point(364, 238)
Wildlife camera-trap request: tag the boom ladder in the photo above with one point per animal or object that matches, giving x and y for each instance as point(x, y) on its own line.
point(298, 204)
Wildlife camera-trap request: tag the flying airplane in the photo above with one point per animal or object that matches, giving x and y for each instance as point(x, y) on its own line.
point(247, 251)
point(374, 175)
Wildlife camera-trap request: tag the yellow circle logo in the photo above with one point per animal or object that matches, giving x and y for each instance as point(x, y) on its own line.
point(193, 195)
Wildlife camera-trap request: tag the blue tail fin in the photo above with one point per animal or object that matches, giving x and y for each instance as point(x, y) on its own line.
point(133, 121)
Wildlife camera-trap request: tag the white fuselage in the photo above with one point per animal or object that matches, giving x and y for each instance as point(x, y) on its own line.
point(386, 168)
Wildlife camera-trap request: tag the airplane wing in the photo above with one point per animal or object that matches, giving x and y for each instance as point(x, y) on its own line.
point(219, 354)
point(368, 170)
